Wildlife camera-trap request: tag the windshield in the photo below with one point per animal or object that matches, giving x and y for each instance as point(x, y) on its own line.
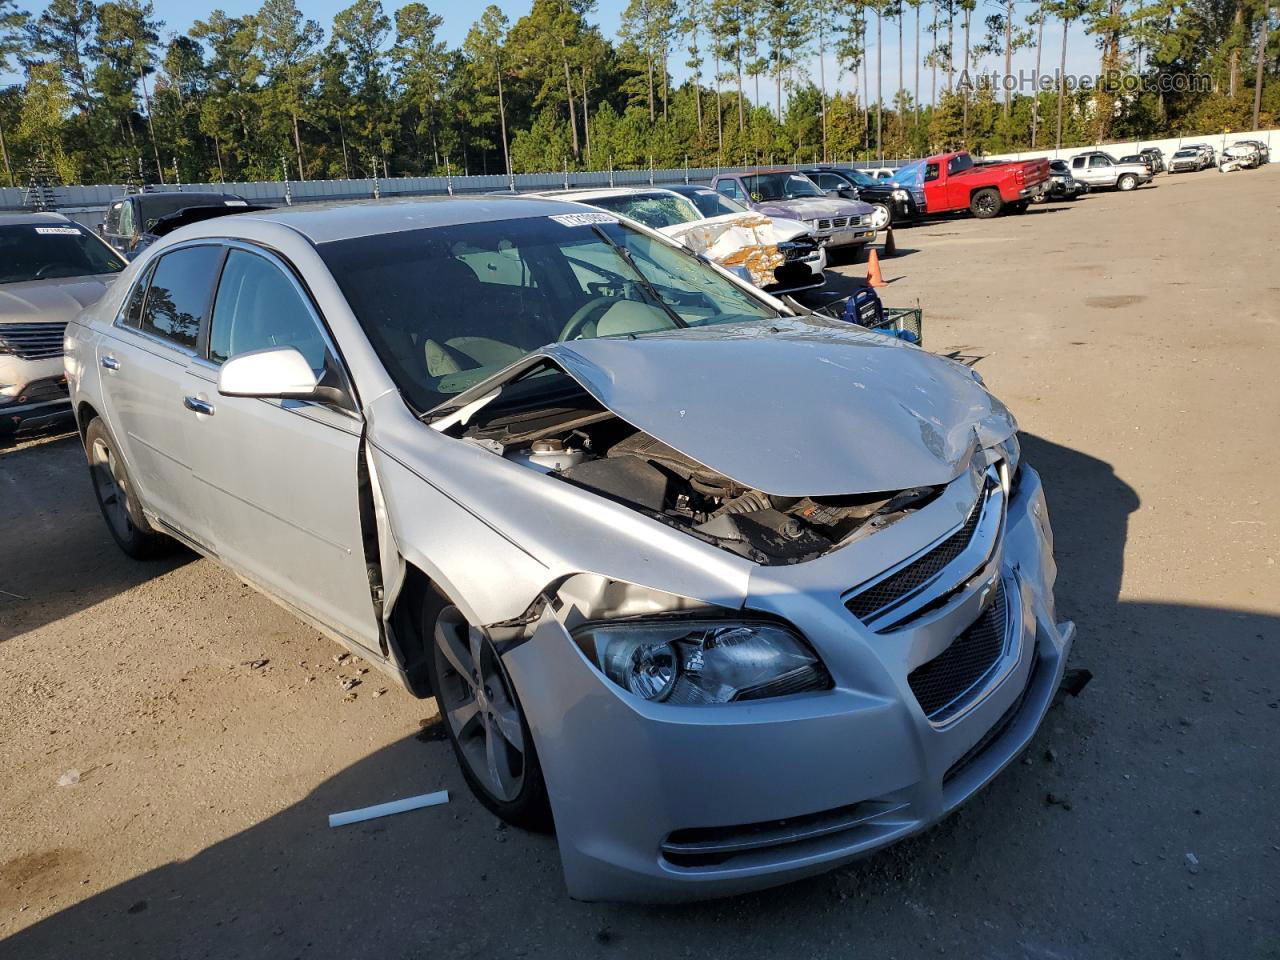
point(45, 251)
point(448, 306)
point(912, 175)
point(654, 210)
point(712, 204)
point(780, 186)
point(1185, 153)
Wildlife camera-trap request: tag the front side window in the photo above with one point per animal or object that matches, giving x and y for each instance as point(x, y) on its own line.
point(712, 204)
point(654, 210)
point(931, 172)
point(178, 299)
point(729, 188)
point(439, 329)
point(780, 186)
point(50, 251)
point(257, 308)
point(125, 228)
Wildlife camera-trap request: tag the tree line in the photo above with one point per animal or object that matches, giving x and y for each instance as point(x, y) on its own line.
point(106, 95)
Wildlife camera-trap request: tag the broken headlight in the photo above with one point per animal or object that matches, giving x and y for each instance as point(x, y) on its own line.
point(695, 661)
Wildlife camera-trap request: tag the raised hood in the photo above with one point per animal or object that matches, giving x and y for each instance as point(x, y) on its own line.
point(58, 300)
point(792, 408)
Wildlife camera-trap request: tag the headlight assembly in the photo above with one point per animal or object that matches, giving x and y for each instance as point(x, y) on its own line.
point(901, 195)
point(685, 660)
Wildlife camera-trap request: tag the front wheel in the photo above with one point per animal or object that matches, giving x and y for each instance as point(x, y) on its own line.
point(483, 717)
point(881, 216)
point(1127, 182)
point(985, 204)
point(117, 499)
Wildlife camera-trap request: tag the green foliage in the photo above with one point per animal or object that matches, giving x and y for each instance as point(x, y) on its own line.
point(270, 93)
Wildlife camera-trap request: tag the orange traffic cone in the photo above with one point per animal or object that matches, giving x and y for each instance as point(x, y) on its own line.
point(890, 248)
point(874, 279)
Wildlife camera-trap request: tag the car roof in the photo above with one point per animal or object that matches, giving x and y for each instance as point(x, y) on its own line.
point(597, 193)
point(17, 219)
point(328, 222)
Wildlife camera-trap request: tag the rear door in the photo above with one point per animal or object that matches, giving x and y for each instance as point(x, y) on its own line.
point(280, 478)
point(144, 360)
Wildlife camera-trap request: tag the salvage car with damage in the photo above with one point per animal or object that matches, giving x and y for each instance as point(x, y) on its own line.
point(727, 593)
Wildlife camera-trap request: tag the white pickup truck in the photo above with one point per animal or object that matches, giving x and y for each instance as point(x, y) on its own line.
point(1101, 171)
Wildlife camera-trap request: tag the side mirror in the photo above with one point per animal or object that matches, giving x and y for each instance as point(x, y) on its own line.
point(280, 373)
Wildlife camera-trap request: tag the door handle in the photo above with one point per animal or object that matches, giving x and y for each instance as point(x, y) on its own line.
point(111, 363)
point(197, 405)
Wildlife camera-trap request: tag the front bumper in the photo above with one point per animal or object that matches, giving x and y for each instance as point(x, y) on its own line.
point(655, 802)
point(799, 275)
point(33, 393)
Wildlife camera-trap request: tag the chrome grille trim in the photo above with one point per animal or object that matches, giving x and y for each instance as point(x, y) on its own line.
point(34, 341)
point(929, 576)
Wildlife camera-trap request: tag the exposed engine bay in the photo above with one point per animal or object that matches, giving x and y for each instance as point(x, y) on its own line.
point(577, 440)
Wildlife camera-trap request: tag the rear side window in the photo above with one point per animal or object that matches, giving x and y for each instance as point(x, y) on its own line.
point(181, 289)
point(124, 220)
point(258, 307)
point(132, 315)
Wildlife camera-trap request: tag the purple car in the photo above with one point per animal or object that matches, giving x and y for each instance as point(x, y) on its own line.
point(792, 195)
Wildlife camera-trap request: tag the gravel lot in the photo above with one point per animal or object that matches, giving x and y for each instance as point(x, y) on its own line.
point(1137, 338)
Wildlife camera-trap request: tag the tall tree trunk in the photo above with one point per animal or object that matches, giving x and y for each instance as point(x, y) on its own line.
point(1062, 82)
point(1035, 93)
point(822, 86)
point(951, 45)
point(573, 119)
point(649, 61)
point(1233, 72)
point(866, 77)
point(1008, 53)
point(346, 162)
point(8, 169)
point(665, 86)
point(719, 109)
point(968, 16)
point(742, 118)
point(586, 119)
point(151, 126)
point(933, 59)
point(880, 83)
point(902, 83)
point(217, 150)
point(1257, 76)
point(502, 121)
point(917, 83)
point(297, 145)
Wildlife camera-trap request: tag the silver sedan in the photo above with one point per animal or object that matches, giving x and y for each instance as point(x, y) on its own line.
point(731, 595)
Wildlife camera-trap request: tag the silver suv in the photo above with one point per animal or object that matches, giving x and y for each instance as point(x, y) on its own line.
point(734, 595)
point(51, 268)
point(1101, 171)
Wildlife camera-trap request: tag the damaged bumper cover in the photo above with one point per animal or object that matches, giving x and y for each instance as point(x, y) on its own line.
point(656, 802)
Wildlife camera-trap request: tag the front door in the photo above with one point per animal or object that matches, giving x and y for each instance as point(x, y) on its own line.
point(280, 478)
point(144, 363)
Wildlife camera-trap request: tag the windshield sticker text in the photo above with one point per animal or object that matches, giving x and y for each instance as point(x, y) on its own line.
point(583, 219)
point(59, 231)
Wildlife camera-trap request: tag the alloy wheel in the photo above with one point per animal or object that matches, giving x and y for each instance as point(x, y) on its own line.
point(880, 216)
point(111, 485)
point(986, 203)
point(476, 698)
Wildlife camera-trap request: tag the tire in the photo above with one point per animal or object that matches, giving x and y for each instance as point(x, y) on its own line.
point(482, 716)
point(1043, 197)
point(117, 498)
point(881, 216)
point(1126, 182)
point(986, 204)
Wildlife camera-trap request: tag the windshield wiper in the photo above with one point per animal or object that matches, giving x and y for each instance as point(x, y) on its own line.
point(648, 287)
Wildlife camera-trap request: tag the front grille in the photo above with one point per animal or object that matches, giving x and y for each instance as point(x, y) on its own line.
point(919, 572)
point(34, 341)
point(774, 840)
point(833, 223)
point(798, 249)
point(941, 685)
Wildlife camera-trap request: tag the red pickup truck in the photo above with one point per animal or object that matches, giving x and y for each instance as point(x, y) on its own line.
point(955, 181)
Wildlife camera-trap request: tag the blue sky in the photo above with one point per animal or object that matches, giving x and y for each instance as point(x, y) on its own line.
point(458, 15)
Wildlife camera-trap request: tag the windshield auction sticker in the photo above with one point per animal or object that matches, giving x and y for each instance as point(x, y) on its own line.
point(59, 231)
point(582, 219)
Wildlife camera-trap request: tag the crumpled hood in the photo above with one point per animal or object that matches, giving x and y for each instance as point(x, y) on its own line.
point(50, 300)
point(793, 407)
point(811, 209)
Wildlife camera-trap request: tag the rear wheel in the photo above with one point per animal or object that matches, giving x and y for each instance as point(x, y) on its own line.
point(116, 497)
point(1127, 182)
point(985, 204)
point(483, 717)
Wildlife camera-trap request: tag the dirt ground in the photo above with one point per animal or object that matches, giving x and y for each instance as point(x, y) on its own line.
point(1137, 337)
